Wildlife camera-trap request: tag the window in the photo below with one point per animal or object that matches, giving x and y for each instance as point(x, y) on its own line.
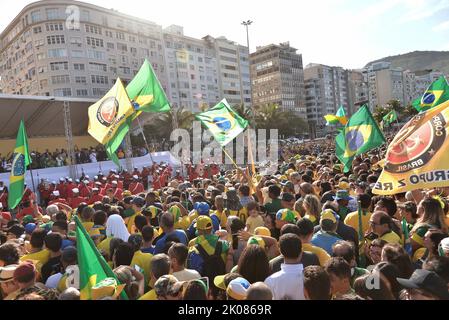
point(132, 39)
point(124, 59)
point(65, 92)
point(120, 35)
point(122, 47)
point(52, 14)
point(109, 34)
point(57, 66)
point(85, 15)
point(99, 79)
point(94, 54)
point(54, 27)
point(76, 40)
point(41, 56)
point(125, 70)
point(58, 39)
point(57, 53)
point(82, 92)
point(133, 50)
point(79, 66)
point(60, 79)
point(36, 16)
point(97, 67)
point(226, 50)
point(99, 91)
point(43, 84)
point(37, 30)
point(110, 45)
point(94, 42)
point(78, 54)
point(93, 29)
point(39, 43)
point(80, 80)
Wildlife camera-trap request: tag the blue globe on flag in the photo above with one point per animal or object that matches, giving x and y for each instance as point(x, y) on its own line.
point(223, 123)
point(428, 98)
point(355, 140)
point(18, 165)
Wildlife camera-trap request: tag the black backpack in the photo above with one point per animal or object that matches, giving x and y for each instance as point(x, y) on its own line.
point(213, 265)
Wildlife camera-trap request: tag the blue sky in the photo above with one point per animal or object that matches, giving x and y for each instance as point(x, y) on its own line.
point(346, 33)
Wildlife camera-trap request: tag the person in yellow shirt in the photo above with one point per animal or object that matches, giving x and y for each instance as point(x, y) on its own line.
point(37, 252)
point(254, 220)
point(220, 212)
point(141, 261)
point(352, 219)
point(160, 266)
point(380, 224)
point(138, 204)
point(87, 215)
point(306, 229)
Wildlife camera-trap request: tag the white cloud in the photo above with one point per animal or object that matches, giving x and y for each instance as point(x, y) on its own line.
point(422, 9)
point(441, 27)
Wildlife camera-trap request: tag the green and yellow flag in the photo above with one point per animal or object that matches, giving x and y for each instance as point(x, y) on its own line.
point(146, 92)
point(360, 135)
point(339, 118)
point(93, 267)
point(436, 94)
point(223, 122)
point(417, 158)
point(391, 117)
point(20, 161)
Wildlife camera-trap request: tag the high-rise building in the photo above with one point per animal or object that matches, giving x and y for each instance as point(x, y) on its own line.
point(385, 84)
point(71, 48)
point(358, 89)
point(277, 76)
point(327, 88)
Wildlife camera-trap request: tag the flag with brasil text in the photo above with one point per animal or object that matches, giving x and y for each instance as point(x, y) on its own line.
point(93, 268)
point(223, 122)
point(20, 161)
point(339, 118)
point(360, 135)
point(146, 92)
point(391, 117)
point(436, 94)
point(417, 158)
point(109, 115)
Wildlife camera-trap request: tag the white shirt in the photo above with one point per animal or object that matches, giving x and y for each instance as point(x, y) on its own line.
point(186, 275)
point(287, 284)
point(93, 157)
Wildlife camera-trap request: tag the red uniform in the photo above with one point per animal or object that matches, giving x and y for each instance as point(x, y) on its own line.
point(59, 200)
point(27, 195)
point(84, 190)
point(29, 211)
point(69, 193)
point(4, 197)
point(75, 202)
point(118, 194)
point(136, 188)
point(62, 188)
point(95, 198)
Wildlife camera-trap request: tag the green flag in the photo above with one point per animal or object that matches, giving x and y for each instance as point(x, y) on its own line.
point(93, 268)
point(113, 145)
point(339, 118)
point(436, 94)
point(20, 160)
point(146, 92)
point(223, 122)
point(360, 135)
point(391, 117)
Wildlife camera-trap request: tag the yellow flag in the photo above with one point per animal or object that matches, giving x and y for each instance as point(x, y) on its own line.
point(417, 158)
point(109, 113)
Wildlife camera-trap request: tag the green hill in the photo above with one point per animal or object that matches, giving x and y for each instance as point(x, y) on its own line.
point(420, 60)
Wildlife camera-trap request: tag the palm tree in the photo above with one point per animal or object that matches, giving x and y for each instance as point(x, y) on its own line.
point(245, 112)
point(271, 116)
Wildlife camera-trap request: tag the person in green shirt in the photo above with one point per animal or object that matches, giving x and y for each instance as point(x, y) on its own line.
point(274, 192)
point(342, 198)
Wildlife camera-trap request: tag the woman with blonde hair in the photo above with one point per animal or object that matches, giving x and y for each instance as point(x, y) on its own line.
point(312, 207)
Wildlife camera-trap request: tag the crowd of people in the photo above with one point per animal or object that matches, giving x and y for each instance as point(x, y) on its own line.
point(307, 232)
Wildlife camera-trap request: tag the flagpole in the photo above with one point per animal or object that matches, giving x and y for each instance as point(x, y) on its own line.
point(145, 139)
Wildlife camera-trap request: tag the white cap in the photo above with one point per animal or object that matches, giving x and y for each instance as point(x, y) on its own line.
point(98, 183)
point(75, 190)
point(77, 180)
point(67, 178)
point(136, 177)
point(61, 179)
point(117, 177)
point(445, 244)
point(1, 205)
point(95, 189)
point(114, 182)
point(70, 180)
point(86, 181)
point(53, 182)
point(104, 179)
point(87, 177)
point(96, 177)
point(56, 193)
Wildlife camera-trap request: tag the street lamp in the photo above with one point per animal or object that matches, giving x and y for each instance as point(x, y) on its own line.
point(247, 24)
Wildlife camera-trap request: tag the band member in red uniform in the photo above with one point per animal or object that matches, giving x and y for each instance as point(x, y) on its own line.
point(136, 187)
point(44, 192)
point(117, 191)
point(96, 196)
point(56, 198)
point(77, 199)
point(145, 174)
point(62, 188)
point(84, 189)
point(3, 195)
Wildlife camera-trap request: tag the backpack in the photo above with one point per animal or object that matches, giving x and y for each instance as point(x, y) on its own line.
point(213, 265)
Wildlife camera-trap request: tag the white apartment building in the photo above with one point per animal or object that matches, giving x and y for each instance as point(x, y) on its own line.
point(385, 84)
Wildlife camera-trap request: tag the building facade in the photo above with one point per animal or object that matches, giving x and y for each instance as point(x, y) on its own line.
point(385, 83)
point(71, 48)
point(277, 76)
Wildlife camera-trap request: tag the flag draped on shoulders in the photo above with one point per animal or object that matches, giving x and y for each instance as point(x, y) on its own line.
point(20, 161)
point(417, 158)
point(92, 266)
point(360, 135)
point(223, 122)
point(436, 94)
point(339, 118)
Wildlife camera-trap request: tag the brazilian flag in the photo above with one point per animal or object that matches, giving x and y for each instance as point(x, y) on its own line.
point(391, 117)
point(436, 94)
point(20, 161)
point(223, 122)
point(93, 267)
point(360, 135)
point(339, 118)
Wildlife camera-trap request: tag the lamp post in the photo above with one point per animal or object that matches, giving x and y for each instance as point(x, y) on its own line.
point(247, 24)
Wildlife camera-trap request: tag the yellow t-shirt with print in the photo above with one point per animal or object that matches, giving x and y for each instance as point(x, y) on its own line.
point(41, 256)
point(352, 220)
point(242, 214)
point(130, 223)
point(321, 254)
point(143, 261)
point(151, 295)
point(222, 216)
point(391, 237)
point(254, 222)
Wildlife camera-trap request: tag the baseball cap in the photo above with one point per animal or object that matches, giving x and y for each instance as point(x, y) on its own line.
point(7, 273)
point(427, 280)
point(114, 182)
point(24, 270)
point(17, 230)
point(203, 223)
point(168, 285)
point(257, 241)
point(56, 193)
point(343, 185)
point(445, 244)
point(286, 215)
point(136, 177)
point(27, 219)
point(342, 195)
point(329, 215)
point(287, 197)
point(76, 190)
point(30, 227)
point(138, 201)
point(238, 289)
point(262, 231)
point(202, 208)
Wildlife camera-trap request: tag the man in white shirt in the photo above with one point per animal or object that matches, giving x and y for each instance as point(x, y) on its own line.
point(178, 256)
point(288, 284)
